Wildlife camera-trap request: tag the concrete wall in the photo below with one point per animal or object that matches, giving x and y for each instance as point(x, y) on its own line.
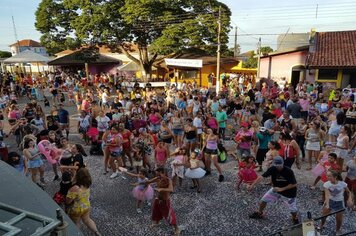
point(279, 66)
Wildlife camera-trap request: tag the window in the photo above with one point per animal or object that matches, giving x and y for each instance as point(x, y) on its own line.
point(190, 74)
point(327, 74)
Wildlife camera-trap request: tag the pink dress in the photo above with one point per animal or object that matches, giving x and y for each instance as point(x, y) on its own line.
point(161, 156)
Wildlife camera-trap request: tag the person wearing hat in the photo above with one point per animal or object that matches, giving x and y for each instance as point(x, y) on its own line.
point(284, 187)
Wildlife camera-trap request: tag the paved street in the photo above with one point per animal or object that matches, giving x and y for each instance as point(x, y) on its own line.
point(218, 210)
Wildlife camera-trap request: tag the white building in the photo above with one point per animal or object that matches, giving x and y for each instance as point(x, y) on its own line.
point(28, 44)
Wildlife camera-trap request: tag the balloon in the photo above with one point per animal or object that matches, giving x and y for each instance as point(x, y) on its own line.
point(49, 151)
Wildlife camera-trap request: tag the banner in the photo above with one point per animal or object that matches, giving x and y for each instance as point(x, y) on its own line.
point(194, 63)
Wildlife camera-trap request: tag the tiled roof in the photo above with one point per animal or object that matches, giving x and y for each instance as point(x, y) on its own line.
point(77, 58)
point(334, 49)
point(133, 48)
point(27, 43)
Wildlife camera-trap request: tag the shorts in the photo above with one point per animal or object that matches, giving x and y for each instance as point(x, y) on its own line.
point(178, 132)
point(243, 152)
point(211, 151)
point(65, 125)
point(273, 197)
point(190, 140)
point(351, 184)
point(167, 140)
point(312, 146)
point(336, 205)
point(137, 163)
point(155, 128)
point(116, 154)
point(76, 215)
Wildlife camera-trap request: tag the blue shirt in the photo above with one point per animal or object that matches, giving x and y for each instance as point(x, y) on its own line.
point(269, 124)
point(263, 140)
point(63, 116)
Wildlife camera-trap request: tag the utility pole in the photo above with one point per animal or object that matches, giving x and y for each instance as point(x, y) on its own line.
point(217, 86)
point(15, 32)
point(235, 45)
point(259, 57)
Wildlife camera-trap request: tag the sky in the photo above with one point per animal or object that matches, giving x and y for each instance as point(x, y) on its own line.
point(254, 18)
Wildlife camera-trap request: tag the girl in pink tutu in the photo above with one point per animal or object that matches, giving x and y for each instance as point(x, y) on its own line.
point(142, 191)
point(247, 171)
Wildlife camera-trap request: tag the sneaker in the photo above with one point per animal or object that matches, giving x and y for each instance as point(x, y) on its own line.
point(56, 178)
point(256, 215)
point(138, 210)
point(221, 178)
point(207, 172)
point(114, 175)
point(148, 203)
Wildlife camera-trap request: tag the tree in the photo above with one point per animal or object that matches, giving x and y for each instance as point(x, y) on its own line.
point(53, 21)
point(251, 62)
point(230, 52)
point(156, 27)
point(5, 54)
point(265, 50)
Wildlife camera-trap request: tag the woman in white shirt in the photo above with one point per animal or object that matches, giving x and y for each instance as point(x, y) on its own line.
point(103, 123)
point(334, 198)
point(105, 99)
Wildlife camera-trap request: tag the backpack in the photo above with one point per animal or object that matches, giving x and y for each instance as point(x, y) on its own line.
point(222, 156)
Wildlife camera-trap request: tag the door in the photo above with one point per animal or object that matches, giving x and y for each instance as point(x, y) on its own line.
point(295, 78)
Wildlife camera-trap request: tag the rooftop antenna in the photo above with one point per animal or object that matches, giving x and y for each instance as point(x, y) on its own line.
point(15, 33)
point(284, 37)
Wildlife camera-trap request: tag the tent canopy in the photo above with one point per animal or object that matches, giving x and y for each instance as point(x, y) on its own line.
point(27, 56)
point(130, 66)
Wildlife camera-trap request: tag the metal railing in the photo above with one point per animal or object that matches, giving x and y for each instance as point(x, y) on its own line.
point(48, 224)
point(298, 228)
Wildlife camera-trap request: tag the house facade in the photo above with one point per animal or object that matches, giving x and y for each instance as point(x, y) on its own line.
point(27, 44)
point(289, 64)
point(329, 58)
point(332, 56)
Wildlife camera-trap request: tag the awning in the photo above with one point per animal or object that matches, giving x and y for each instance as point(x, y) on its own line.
point(130, 66)
point(27, 56)
point(77, 58)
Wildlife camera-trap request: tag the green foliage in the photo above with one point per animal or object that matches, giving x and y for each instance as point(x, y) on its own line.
point(265, 50)
point(155, 26)
point(251, 62)
point(5, 54)
point(230, 52)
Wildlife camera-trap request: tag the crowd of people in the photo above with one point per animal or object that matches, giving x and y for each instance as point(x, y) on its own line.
point(163, 136)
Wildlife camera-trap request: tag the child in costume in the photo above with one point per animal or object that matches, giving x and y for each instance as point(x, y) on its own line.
point(195, 172)
point(247, 171)
point(142, 191)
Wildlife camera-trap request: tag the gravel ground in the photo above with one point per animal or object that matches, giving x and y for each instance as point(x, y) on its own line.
point(218, 210)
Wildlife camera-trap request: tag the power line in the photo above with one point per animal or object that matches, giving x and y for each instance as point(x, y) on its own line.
point(305, 6)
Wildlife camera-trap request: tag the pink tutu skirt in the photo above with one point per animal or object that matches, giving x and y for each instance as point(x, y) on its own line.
point(143, 195)
point(318, 170)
